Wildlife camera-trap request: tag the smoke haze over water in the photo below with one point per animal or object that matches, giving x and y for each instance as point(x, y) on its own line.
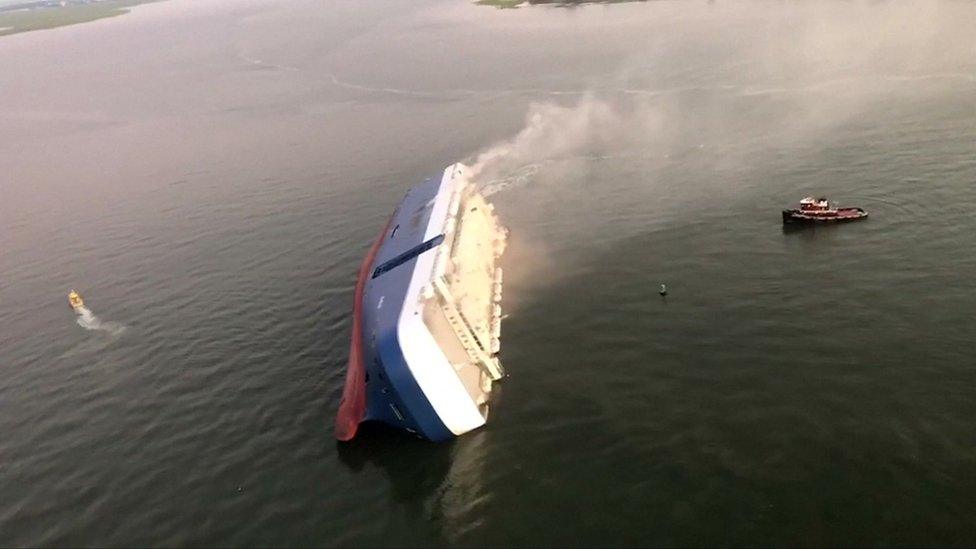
point(792, 73)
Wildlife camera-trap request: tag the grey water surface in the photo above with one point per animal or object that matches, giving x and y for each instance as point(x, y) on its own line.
point(208, 176)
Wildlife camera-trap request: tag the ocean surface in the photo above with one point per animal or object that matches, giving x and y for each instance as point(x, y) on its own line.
point(208, 176)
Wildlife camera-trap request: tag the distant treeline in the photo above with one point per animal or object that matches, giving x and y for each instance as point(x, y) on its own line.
point(47, 14)
point(564, 3)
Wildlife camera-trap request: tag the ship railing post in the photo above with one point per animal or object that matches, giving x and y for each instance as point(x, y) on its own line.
point(465, 334)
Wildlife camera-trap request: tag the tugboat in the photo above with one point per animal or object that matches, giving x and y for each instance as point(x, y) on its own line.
point(820, 210)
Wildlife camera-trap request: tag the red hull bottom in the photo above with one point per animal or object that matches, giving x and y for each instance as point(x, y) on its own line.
point(352, 407)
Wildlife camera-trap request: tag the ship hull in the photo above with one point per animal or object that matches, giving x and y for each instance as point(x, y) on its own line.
point(412, 363)
point(797, 217)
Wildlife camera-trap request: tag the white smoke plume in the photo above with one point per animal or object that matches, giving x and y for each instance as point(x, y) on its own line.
point(739, 73)
point(552, 132)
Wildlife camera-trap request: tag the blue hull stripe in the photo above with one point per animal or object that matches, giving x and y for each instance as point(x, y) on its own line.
point(392, 394)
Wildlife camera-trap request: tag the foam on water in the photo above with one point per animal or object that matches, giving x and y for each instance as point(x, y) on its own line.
point(88, 320)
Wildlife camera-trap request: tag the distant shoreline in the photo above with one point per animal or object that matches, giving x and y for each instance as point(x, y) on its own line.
point(40, 15)
point(512, 4)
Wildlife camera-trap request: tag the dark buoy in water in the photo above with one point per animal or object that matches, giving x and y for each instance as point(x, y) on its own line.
point(664, 290)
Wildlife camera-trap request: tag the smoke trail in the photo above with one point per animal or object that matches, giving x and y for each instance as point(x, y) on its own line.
point(88, 321)
point(552, 132)
point(773, 78)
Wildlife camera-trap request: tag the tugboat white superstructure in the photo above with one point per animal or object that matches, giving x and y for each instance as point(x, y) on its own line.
point(427, 315)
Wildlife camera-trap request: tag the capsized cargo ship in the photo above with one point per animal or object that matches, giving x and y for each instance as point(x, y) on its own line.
point(427, 315)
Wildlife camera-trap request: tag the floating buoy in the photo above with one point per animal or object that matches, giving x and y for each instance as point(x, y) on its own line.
point(664, 290)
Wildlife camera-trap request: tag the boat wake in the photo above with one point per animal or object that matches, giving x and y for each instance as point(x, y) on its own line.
point(525, 174)
point(520, 177)
point(88, 320)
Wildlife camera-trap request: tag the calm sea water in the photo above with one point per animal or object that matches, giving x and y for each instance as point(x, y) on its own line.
point(209, 174)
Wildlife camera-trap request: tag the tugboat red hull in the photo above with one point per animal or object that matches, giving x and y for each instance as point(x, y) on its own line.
point(843, 215)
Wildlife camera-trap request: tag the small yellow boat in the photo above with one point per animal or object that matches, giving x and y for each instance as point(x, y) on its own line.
point(74, 299)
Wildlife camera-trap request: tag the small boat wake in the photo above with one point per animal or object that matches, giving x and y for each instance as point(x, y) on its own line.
point(88, 321)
